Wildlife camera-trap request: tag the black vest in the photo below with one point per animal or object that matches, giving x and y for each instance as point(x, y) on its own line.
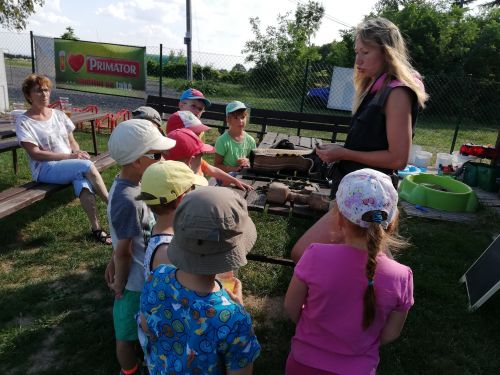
point(367, 131)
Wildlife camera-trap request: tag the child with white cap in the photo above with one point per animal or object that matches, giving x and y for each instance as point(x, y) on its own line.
point(196, 326)
point(348, 299)
point(135, 145)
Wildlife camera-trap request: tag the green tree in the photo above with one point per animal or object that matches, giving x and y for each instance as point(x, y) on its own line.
point(282, 49)
point(69, 34)
point(14, 13)
point(239, 68)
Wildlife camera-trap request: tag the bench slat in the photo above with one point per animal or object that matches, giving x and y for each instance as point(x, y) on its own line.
point(17, 198)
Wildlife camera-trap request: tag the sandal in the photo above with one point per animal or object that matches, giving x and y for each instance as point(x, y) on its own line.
point(101, 236)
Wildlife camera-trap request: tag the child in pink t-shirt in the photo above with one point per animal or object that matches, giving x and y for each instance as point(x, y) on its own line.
point(348, 299)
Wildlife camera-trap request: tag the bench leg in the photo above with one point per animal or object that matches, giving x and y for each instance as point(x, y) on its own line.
point(14, 160)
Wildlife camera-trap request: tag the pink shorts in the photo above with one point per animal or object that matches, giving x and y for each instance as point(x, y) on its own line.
point(295, 368)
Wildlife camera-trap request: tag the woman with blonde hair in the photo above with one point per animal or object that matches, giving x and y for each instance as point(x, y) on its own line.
point(389, 94)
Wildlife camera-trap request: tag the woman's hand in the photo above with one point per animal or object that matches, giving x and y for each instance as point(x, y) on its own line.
point(79, 155)
point(330, 152)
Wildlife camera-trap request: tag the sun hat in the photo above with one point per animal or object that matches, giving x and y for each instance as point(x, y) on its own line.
point(367, 195)
point(133, 138)
point(147, 113)
point(213, 232)
point(194, 94)
point(187, 145)
point(234, 106)
point(165, 181)
point(185, 119)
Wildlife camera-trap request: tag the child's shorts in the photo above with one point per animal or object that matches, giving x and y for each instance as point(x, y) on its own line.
point(124, 311)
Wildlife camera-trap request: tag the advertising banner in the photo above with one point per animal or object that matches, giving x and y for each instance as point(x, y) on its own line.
point(100, 67)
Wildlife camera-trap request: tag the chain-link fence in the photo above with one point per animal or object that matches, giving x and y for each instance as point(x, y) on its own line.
point(460, 109)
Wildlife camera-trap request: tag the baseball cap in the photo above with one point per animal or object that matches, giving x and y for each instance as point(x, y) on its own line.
point(213, 232)
point(185, 119)
point(133, 138)
point(187, 145)
point(234, 106)
point(165, 181)
point(147, 113)
point(195, 95)
point(366, 192)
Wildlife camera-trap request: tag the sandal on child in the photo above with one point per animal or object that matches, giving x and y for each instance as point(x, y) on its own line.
point(101, 236)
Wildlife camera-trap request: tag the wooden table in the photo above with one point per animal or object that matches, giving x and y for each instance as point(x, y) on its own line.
point(7, 129)
point(80, 117)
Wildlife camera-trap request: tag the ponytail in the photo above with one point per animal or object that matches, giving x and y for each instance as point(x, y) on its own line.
point(375, 236)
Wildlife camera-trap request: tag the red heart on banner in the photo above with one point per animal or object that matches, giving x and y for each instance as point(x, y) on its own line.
point(76, 62)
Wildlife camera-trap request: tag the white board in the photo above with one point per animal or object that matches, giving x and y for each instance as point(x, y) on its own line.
point(341, 89)
point(4, 91)
point(483, 277)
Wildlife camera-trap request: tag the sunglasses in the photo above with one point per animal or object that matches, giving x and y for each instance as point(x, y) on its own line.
point(153, 156)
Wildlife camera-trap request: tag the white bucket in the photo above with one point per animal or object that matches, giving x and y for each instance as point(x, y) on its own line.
point(443, 159)
point(413, 151)
point(422, 159)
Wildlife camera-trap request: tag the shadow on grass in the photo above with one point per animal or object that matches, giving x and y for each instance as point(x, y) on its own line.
point(13, 225)
point(61, 326)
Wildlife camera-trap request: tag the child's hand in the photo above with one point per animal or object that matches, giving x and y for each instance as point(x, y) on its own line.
point(237, 293)
point(242, 186)
point(243, 162)
point(117, 289)
point(109, 273)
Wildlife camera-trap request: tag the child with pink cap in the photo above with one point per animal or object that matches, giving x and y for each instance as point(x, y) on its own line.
point(348, 299)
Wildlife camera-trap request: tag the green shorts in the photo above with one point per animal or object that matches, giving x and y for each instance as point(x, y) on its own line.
point(124, 311)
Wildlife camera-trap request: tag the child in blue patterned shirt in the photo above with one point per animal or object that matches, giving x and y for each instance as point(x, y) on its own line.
point(196, 326)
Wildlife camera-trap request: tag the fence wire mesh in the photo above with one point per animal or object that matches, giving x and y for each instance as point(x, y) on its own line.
point(460, 109)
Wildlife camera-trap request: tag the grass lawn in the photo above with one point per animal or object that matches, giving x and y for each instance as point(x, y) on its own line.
point(55, 315)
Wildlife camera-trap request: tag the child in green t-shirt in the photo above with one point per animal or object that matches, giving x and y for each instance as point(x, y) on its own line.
point(233, 147)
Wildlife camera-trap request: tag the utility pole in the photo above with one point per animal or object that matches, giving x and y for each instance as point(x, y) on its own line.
point(187, 41)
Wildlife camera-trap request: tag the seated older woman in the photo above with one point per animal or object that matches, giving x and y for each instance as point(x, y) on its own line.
point(55, 156)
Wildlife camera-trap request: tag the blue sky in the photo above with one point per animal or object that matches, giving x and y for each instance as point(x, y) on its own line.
point(219, 26)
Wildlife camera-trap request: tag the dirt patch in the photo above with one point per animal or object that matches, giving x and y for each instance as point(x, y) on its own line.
point(265, 309)
point(47, 355)
point(6, 266)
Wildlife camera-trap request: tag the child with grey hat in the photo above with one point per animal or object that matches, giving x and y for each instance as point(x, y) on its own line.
point(194, 324)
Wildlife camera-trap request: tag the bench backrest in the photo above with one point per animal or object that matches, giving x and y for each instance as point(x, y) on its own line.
point(335, 124)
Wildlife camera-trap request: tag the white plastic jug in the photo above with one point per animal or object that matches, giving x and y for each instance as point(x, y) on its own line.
point(443, 159)
point(422, 159)
point(413, 151)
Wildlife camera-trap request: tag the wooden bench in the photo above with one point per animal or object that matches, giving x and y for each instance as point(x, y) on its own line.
point(19, 197)
point(215, 116)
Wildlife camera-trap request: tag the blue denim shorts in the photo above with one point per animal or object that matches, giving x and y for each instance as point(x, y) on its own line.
point(65, 172)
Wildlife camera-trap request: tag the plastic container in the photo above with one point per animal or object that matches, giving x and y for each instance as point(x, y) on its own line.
point(487, 176)
point(413, 151)
point(443, 159)
point(470, 174)
point(422, 159)
point(438, 192)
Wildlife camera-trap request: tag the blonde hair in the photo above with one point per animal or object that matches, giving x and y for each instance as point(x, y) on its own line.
point(34, 80)
point(377, 239)
point(384, 34)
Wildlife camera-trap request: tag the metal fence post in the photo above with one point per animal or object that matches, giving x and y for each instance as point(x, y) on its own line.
point(32, 42)
point(460, 116)
point(161, 70)
point(304, 88)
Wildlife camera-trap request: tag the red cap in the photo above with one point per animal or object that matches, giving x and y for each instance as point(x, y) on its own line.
point(187, 145)
point(185, 119)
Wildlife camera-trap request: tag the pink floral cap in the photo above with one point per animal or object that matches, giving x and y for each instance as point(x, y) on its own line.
point(366, 196)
